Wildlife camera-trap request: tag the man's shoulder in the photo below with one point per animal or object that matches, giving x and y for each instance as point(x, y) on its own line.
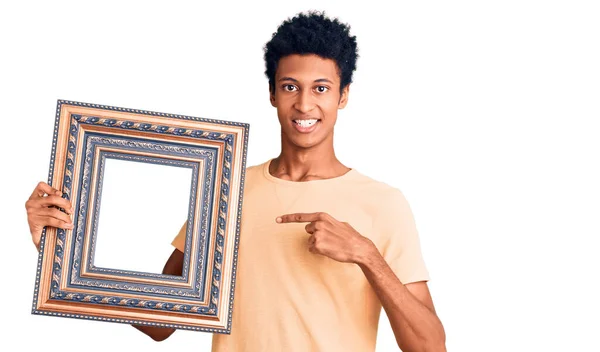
point(254, 168)
point(377, 188)
point(253, 171)
point(253, 177)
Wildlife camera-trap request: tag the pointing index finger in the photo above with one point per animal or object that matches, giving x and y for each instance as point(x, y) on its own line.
point(298, 217)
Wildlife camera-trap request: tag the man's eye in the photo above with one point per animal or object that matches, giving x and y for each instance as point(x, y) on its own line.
point(322, 89)
point(289, 87)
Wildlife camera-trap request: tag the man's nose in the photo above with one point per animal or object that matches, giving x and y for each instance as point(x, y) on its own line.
point(304, 102)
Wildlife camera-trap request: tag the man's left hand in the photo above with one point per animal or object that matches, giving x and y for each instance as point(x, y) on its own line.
point(332, 238)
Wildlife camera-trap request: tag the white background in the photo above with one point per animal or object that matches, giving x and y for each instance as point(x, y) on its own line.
point(485, 114)
point(134, 231)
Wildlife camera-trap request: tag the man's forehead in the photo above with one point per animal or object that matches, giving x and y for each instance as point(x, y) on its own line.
point(307, 68)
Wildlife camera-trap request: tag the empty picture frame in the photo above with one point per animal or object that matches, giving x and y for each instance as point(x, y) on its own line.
point(122, 164)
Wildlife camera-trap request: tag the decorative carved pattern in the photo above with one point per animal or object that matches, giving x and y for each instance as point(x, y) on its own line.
point(67, 152)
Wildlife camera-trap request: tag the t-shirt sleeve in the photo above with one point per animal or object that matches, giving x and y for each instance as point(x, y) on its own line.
point(401, 247)
point(179, 240)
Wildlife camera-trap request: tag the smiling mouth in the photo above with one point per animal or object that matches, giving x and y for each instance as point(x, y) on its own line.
point(306, 122)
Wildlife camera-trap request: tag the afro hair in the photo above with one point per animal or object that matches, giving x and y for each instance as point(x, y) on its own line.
point(313, 33)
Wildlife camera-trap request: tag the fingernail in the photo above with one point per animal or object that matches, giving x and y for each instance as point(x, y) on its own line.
point(278, 219)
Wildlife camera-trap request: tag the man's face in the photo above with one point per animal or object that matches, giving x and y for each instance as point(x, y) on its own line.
point(307, 98)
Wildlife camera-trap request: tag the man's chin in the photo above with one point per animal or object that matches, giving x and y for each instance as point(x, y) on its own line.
point(305, 144)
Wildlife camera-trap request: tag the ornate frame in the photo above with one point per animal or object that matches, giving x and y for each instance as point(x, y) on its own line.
point(69, 285)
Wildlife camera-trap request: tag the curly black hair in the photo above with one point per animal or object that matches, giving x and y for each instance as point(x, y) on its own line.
point(313, 33)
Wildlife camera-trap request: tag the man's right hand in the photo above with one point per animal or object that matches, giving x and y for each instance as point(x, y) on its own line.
point(42, 210)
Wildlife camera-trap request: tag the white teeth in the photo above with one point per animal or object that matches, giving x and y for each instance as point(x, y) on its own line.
point(306, 123)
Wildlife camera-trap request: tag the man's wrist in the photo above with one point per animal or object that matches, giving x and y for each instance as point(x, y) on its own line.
point(368, 254)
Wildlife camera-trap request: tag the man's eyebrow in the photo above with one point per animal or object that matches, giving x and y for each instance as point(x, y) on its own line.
point(288, 79)
point(296, 81)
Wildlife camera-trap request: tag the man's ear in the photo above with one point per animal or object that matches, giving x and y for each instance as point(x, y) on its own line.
point(344, 97)
point(272, 96)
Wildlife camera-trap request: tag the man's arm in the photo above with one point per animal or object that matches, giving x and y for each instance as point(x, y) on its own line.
point(174, 266)
point(409, 307)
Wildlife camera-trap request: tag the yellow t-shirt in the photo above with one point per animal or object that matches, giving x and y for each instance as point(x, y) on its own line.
point(289, 299)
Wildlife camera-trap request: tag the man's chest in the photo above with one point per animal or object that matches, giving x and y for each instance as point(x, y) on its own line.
point(279, 251)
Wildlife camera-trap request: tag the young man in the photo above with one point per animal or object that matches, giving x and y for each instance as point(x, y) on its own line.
point(322, 246)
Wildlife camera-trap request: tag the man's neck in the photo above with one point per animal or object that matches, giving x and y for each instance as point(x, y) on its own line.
point(299, 166)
